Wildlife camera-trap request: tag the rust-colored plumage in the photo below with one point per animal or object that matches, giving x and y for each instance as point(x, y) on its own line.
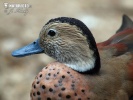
point(57, 81)
point(79, 73)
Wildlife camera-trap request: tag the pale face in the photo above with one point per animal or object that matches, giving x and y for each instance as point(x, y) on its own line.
point(65, 43)
point(62, 40)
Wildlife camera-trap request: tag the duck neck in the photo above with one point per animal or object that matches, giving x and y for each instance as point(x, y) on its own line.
point(87, 64)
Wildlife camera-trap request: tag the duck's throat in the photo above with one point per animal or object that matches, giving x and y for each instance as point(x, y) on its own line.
point(83, 66)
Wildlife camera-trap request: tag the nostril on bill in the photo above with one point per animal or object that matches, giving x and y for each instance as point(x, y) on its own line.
point(34, 42)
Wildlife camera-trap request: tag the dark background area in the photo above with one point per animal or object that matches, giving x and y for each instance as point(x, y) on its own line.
point(103, 17)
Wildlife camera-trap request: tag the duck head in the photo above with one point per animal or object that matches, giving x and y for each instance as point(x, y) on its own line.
point(67, 40)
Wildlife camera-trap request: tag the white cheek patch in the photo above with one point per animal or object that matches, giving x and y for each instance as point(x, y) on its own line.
point(83, 66)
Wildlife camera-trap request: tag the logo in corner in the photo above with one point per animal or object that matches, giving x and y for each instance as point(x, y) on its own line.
point(11, 8)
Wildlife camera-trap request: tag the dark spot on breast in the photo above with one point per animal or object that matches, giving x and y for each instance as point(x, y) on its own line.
point(51, 90)
point(68, 96)
point(57, 72)
point(68, 72)
point(63, 76)
point(75, 94)
point(48, 98)
point(63, 89)
point(43, 87)
point(79, 98)
point(37, 82)
point(83, 90)
point(46, 67)
point(88, 98)
point(34, 86)
point(38, 93)
point(53, 69)
point(34, 94)
point(41, 75)
point(59, 94)
point(49, 74)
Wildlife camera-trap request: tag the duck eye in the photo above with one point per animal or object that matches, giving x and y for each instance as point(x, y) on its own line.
point(52, 32)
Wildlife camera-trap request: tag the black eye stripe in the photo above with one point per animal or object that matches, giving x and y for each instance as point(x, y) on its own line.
point(51, 32)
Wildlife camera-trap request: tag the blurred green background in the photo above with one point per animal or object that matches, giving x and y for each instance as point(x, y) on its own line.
point(103, 17)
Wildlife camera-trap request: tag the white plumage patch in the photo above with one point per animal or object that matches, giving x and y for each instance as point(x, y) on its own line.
point(82, 66)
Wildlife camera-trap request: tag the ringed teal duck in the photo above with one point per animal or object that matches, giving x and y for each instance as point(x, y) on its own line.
point(83, 69)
